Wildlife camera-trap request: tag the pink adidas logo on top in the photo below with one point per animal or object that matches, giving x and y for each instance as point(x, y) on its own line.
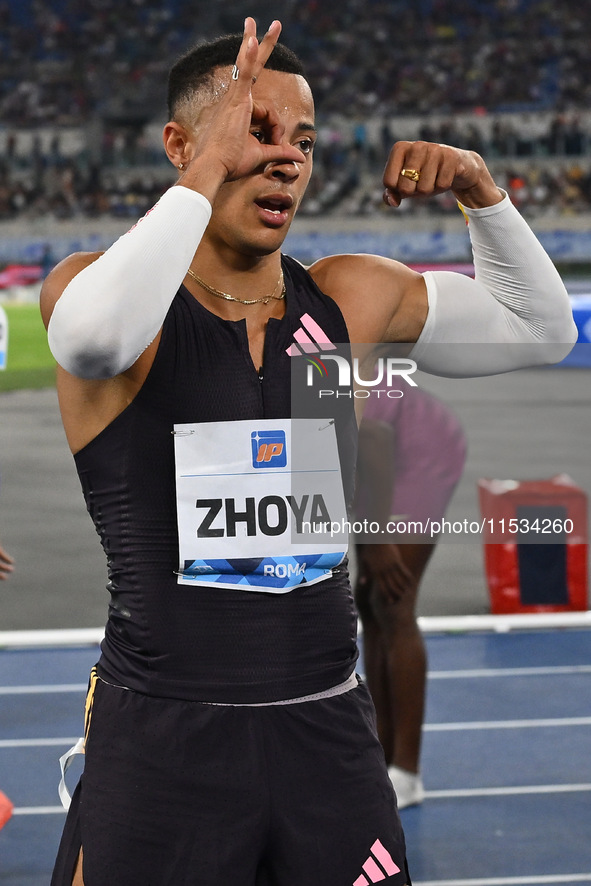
point(372, 868)
point(304, 344)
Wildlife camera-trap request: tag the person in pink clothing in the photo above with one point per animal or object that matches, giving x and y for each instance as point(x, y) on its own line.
point(412, 452)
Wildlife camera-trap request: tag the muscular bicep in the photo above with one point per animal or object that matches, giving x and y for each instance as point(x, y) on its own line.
point(381, 299)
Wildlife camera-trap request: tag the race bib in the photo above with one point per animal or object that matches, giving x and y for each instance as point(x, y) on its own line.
point(260, 504)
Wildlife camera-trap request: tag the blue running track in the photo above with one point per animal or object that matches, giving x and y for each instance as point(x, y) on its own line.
point(506, 759)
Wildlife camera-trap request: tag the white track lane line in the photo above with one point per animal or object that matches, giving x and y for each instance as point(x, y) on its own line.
point(507, 724)
point(36, 742)
point(42, 690)
point(549, 671)
point(507, 791)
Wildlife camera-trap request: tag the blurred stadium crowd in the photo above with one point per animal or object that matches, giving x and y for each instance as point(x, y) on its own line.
point(82, 96)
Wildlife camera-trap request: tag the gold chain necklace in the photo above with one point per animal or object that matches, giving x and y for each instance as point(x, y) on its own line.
point(243, 301)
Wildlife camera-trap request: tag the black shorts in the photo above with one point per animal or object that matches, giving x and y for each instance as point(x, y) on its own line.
point(180, 793)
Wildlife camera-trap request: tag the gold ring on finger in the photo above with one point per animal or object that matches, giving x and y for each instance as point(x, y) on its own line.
point(413, 174)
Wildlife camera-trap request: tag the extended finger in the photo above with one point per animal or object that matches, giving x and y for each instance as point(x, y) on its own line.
point(243, 70)
point(282, 153)
point(266, 47)
point(253, 56)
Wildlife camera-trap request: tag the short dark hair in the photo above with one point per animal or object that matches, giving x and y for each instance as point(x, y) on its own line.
point(195, 68)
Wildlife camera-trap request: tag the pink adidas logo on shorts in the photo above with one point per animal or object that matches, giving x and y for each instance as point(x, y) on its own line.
point(375, 871)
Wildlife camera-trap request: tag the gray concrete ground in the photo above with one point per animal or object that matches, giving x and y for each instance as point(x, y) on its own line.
point(531, 424)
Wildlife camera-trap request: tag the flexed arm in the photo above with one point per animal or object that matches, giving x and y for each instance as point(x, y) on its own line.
point(517, 306)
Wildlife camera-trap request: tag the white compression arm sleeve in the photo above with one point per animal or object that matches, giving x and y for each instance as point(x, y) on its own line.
point(515, 313)
point(110, 312)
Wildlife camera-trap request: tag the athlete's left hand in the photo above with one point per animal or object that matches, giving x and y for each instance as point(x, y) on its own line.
point(440, 168)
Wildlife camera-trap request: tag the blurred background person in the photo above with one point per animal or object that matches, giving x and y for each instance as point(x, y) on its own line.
point(412, 452)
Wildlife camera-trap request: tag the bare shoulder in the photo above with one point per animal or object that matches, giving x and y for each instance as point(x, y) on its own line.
point(57, 280)
point(381, 299)
point(350, 270)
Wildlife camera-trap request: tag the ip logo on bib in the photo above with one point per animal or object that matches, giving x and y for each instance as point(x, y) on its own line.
point(268, 449)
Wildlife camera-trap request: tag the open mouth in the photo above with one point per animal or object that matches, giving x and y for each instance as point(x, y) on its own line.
point(274, 210)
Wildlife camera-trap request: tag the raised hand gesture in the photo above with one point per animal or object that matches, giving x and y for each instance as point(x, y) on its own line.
point(236, 134)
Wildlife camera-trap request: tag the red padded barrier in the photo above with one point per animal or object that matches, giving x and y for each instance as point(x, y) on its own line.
point(535, 544)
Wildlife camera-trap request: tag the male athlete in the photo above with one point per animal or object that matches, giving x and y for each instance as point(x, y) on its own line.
point(228, 741)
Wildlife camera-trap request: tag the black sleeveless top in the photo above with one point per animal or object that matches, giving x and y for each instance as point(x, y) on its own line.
point(207, 643)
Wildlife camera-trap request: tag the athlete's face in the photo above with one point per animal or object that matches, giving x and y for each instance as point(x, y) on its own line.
point(253, 214)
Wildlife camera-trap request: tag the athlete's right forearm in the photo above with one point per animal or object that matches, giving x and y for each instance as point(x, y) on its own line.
point(113, 309)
